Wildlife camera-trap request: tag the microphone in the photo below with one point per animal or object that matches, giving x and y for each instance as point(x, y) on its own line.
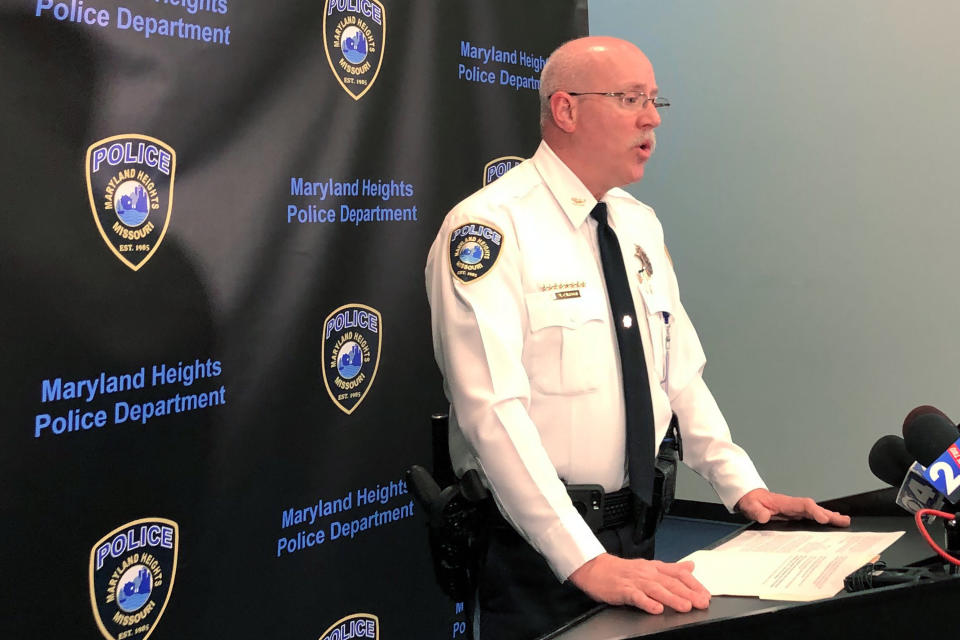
point(923, 409)
point(932, 438)
point(928, 435)
point(890, 461)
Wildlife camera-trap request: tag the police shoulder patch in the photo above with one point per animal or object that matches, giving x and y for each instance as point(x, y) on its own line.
point(474, 249)
point(497, 167)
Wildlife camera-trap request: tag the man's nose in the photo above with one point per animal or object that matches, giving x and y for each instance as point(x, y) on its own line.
point(649, 116)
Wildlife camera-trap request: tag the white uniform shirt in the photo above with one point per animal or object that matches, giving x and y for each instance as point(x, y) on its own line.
point(530, 361)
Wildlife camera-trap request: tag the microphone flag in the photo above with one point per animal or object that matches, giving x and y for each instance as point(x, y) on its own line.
point(916, 492)
point(944, 472)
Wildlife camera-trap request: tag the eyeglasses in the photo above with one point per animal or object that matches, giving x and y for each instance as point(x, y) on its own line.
point(633, 100)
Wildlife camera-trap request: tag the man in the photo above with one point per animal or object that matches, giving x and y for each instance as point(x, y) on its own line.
point(521, 294)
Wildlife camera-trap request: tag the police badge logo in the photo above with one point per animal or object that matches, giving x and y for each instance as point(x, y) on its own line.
point(499, 166)
point(131, 577)
point(358, 625)
point(130, 184)
point(474, 249)
point(352, 337)
point(354, 36)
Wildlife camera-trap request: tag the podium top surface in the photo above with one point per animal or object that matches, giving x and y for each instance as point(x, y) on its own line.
point(727, 612)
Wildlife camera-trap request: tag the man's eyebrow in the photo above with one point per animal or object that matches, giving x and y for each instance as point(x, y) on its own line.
point(640, 86)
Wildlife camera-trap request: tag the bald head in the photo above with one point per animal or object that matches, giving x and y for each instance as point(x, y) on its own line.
point(585, 117)
point(577, 65)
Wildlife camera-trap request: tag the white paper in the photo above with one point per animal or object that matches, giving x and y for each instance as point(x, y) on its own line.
point(787, 565)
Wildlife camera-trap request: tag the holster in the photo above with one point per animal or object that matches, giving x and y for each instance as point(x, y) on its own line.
point(457, 528)
point(457, 544)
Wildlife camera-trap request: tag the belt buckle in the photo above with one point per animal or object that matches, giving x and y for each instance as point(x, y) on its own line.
point(588, 499)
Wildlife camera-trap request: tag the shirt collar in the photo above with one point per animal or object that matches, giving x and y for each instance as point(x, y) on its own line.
point(573, 197)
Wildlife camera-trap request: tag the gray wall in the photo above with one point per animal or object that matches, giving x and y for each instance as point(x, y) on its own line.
point(806, 178)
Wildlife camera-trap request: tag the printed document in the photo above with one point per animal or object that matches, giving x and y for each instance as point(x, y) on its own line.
point(787, 565)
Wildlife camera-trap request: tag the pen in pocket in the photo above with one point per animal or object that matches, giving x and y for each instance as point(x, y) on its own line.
point(666, 350)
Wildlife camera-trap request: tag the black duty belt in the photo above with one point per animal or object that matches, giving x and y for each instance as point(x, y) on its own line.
point(602, 510)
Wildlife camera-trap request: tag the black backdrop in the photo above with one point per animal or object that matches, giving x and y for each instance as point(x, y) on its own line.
point(233, 299)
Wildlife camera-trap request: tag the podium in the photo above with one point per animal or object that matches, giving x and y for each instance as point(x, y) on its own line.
point(896, 611)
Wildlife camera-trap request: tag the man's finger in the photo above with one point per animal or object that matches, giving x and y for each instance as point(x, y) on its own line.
point(761, 514)
point(838, 519)
point(794, 507)
point(681, 588)
point(824, 516)
point(686, 578)
point(645, 603)
point(675, 601)
point(679, 581)
point(675, 569)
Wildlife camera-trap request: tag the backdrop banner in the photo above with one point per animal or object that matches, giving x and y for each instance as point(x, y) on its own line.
point(216, 352)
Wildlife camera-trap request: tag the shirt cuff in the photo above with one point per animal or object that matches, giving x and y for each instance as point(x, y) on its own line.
point(730, 490)
point(568, 545)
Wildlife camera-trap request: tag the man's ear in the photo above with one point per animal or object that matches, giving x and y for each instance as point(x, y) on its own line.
point(564, 110)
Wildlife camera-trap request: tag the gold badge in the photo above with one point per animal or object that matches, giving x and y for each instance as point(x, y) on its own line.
point(646, 269)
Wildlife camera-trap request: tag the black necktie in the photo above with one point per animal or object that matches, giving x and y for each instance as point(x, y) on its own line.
point(636, 386)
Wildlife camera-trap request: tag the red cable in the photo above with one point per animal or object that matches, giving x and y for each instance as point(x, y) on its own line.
point(923, 531)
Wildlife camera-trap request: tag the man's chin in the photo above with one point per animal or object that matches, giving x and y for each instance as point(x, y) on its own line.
point(637, 174)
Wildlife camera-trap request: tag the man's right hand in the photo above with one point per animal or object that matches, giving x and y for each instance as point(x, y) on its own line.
point(645, 584)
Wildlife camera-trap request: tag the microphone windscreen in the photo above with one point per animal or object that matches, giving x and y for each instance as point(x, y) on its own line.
point(928, 435)
point(889, 460)
point(923, 409)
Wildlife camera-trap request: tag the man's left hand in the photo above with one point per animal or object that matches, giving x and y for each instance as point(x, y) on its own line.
point(762, 505)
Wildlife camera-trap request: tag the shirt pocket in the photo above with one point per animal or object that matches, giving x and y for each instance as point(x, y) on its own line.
point(659, 312)
point(560, 352)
